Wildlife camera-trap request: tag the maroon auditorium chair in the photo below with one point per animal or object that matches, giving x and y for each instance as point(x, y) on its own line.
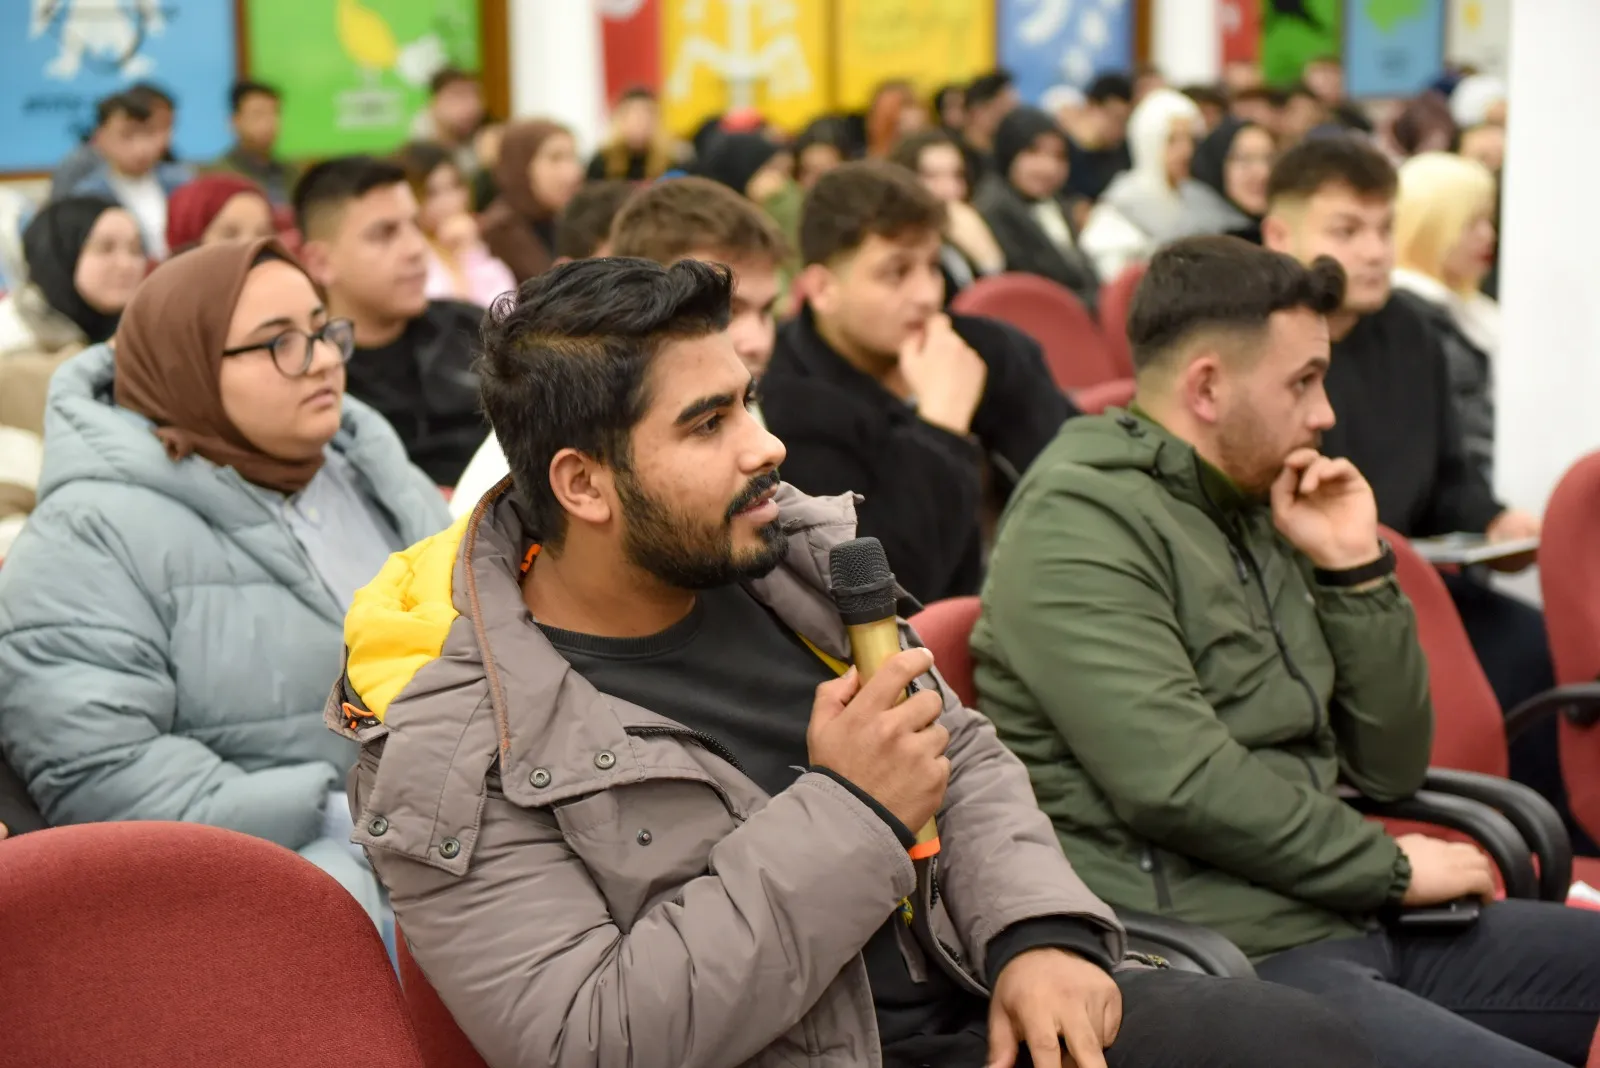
point(1074, 349)
point(443, 1043)
point(1116, 297)
point(174, 945)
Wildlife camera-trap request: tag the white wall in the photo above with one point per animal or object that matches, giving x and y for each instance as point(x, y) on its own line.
point(556, 70)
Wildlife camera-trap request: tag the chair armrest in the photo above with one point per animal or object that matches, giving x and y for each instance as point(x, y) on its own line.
point(1535, 819)
point(1580, 701)
point(1495, 834)
point(1186, 946)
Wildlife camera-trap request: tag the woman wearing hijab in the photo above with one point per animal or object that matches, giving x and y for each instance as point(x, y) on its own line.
point(1157, 201)
point(536, 174)
point(1232, 166)
point(459, 264)
point(171, 617)
point(1025, 203)
point(757, 167)
point(217, 207)
point(84, 258)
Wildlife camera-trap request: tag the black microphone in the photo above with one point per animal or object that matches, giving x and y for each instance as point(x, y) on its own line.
point(863, 588)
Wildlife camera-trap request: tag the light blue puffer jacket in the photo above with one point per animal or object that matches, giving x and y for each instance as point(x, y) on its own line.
point(166, 646)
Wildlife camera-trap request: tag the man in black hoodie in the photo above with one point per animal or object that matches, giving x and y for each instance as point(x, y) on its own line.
point(874, 390)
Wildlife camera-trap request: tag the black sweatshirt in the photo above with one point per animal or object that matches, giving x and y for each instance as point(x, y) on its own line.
point(1389, 385)
point(16, 807)
point(923, 486)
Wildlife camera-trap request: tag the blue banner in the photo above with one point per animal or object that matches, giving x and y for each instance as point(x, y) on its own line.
point(59, 57)
point(1063, 42)
point(1392, 48)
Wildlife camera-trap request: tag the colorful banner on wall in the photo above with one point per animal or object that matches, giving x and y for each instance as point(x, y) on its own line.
point(719, 55)
point(354, 73)
point(926, 42)
point(630, 45)
point(57, 59)
point(1294, 32)
point(1479, 34)
point(1239, 22)
point(1055, 42)
point(1392, 48)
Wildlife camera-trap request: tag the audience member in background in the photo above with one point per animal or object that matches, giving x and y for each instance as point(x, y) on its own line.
point(678, 219)
point(1065, 104)
point(950, 108)
point(130, 170)
point(893, 113)
point(821, 147)
point(459, 264)
point(1157, 200)
point(413, 356)
point(486, 146)
point(970, 249)
point(1479, 100)
point(1324, 76)
point(86, 159)
point(1212, 102)
point(536, 175)
point(1241, 76)
point(85, 258)
point(1121, 655)
point(1147, 78)
point(1233, 163)
point(640, 148)
point(1444, 239)
point(989, 99)
point(1303, 111)
point(584, 231)
point(1026, 204)
point(1423, 125)
point(210, 502)
point(874, 390)
point(18, 814)
point(720, 883)
point(453, 116)
point(256, 110)
point(761, 169)
point(163, 114)
point(1099, 137)
point(1262, 106)
point(217, 207)
point(1485, 144)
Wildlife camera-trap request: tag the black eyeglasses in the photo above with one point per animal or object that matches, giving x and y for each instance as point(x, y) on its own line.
point(292, 351)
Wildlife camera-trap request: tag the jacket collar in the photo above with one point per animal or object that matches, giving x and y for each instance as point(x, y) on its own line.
point(802, 350)
point(1177, 465)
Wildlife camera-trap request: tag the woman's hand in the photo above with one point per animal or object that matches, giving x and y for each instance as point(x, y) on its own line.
point(968, 232)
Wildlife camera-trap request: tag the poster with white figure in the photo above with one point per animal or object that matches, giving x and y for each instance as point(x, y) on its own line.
point(59, 57)
point(721, 55)
point(1063, 42)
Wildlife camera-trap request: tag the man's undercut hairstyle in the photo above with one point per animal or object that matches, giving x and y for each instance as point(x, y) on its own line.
point(671, 219)
point(987, 88)
point(445, 77)
point(116, 104)
point(1108, 87)
point(152, 96)
point(1314, 164)
point(586, 224)
point(855, 201)
point(565, 363)
point(244, 89)
point(326, 188)
point(1203, 285)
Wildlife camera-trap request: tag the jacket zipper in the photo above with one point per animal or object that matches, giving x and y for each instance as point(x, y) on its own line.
point(703, 740)
point(1150, 864)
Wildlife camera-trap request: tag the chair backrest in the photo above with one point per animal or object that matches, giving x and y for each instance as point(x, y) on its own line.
point(1569, 579)
point(174, 945)
point(1049, 313)
point(443, 1043)
point(1469, 732)
point(945, 628)
point(1116, 297)
point(1092, 400)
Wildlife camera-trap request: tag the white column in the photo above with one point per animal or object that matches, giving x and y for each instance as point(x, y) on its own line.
point(1548, 371)
point(556, 68)
point(1185, 42)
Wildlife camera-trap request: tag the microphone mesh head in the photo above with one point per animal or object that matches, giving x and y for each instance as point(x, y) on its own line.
point(861, 582)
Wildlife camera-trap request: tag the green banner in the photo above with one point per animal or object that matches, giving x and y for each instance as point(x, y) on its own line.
point(354, 73)
point(1294, 32)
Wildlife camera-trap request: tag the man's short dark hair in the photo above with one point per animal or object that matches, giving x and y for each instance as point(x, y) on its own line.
point(565, 363)
point(327, 187)
point(855, 201)
point(1318, 162)
point(1224, 284)
point(445, 77)
point(1270, 94)
point(586, 223)
point(1206, 96)
point(1110, 86)
point(244, 89)
point(673, 218)
point(907, 152)
point(152, 95)
point(987, 88)
point(116, 104)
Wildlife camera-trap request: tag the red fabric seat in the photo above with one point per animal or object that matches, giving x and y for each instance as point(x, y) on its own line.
point(174, 945)
point(443, 1043)
point(1074, 349)
point(1116, 297)
point(945, 627)
point(1092, 400)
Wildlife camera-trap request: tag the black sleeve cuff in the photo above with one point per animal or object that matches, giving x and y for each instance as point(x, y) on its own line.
point(901, 831)
point(1076, 936)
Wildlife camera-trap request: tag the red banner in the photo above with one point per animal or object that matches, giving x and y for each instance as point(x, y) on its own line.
point(630, 43)
point(1240, 23)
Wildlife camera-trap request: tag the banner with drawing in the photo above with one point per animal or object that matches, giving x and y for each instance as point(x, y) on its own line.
point(1064, 42)
point(59, 57)
point(719, 55)
point(925, 42)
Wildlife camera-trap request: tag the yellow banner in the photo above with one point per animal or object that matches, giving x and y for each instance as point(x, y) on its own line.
point(717, 55)
point(925, 42)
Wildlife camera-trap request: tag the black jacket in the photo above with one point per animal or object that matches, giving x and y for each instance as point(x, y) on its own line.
point(17, 811)
point(1391, 392)
point(923, 485)
point(424, 384)
point(1029, 249)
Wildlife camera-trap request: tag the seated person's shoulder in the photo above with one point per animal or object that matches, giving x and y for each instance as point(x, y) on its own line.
point(456, 314)
point(993, 339)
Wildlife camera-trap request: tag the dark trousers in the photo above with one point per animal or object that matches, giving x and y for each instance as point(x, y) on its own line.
point(1519, 989)
point(1181, 1020)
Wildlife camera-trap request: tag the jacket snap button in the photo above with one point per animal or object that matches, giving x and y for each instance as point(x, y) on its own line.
point(1146, 865)
point(605, 760)
point(540, 778)
point(377, 826)
point(449, 849)
point(644, 838)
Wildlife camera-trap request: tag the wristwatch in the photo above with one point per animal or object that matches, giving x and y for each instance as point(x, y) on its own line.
point(1382, 567)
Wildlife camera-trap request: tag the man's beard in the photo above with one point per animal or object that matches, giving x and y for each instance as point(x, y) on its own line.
point(1248, 457)
point(689, 554)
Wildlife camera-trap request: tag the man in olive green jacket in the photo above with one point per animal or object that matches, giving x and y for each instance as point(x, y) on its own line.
point(1191, 632)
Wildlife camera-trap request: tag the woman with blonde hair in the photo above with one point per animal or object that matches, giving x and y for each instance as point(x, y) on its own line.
point(641, 148)
point(1444, 247)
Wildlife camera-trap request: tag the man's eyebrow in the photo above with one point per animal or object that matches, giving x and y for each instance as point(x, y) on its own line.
point(704, 406)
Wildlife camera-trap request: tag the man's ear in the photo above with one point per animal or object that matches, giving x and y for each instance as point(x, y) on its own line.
point(820, 287)
point(317, 262)
point(1199, 384)
point(582, 487)
point(1276, 234)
